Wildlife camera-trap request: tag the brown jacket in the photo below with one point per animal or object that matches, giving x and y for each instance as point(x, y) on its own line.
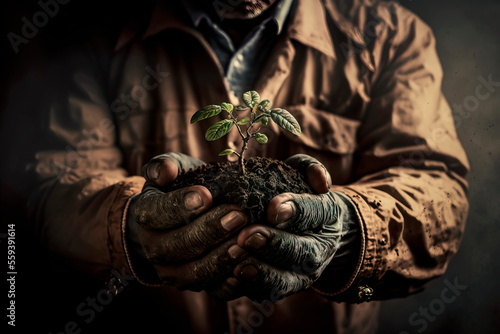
point(363, 81)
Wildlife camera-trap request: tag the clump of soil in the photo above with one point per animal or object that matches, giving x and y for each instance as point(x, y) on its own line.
point(265, 178)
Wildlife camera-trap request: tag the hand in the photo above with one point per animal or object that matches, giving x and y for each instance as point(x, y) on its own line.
point(187, 243)
point(304, 234)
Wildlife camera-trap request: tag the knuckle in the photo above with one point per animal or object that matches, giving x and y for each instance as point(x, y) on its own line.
point(145, 208)
point(197, 237)
point(310, 264)
point(175, 248)
point(161, 210)
point(168, 248)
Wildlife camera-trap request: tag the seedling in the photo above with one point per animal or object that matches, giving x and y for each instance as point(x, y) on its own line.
point(249, 126)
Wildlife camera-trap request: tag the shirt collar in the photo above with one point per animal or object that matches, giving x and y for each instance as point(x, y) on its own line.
point(195, 13)
point(281, 13)
point(278, 15)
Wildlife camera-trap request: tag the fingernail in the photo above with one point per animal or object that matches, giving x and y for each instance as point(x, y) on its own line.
point(233, 220)
point(248, 271)
point(235, 252)
point(256, 241)
point(193, 200)
point(328, 177)
point(154, 171)
point(285, 212)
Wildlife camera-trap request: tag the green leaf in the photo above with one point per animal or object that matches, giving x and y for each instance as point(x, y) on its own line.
point(261, 138)
point(264, 105)
point(251, 98)
point(262, 119)
point(206, 112)
point(219, 129)
point(286, 120)
point(227, 151)
point(227, 107)
point(243, 121)
point(240, 108)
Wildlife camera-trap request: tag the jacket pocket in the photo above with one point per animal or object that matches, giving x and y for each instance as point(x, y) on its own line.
point(323, 130)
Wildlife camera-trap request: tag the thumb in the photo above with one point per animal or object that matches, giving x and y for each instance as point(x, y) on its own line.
point(164, 168)
point(316, 174)
point(296, 213)
point(161, 170)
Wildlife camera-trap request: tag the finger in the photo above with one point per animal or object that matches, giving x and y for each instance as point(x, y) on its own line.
point(158, 210)
point(302, 254)
point(316, 174)
point(207, 272)
point(300, 212)
point(261, 281)
point(164, 168)
point(196, 239)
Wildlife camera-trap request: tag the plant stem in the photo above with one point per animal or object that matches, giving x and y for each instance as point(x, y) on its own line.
point(246, 139)
point(241, 159)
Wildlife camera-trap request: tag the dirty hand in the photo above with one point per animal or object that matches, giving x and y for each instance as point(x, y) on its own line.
point(304, 234)
point(177, 236)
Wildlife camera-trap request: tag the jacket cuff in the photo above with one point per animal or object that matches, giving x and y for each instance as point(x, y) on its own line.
point(374, 244)
point(140, 268)
point(120, 255)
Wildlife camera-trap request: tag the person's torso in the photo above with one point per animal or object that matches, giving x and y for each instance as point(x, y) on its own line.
point(165, 78)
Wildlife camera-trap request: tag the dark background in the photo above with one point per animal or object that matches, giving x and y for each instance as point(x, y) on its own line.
point(468, 42)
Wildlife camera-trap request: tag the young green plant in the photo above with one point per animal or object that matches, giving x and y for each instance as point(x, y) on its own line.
point(249, 126)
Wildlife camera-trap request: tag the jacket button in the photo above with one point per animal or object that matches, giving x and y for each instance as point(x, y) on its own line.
point(365, 293)
point(383, 242)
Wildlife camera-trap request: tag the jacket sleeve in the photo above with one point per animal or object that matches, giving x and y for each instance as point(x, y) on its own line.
point(410, 193)
point(65, 159)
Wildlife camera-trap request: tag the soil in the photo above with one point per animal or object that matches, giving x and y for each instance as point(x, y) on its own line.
point(264, 179)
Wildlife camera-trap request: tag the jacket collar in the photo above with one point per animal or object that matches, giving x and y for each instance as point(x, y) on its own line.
point(309, 26)
point(164, 15)
point(308, 23)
